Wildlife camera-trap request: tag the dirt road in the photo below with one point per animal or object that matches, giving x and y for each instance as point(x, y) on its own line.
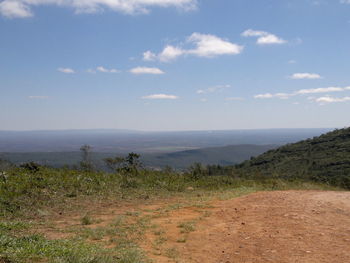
point(292, 226)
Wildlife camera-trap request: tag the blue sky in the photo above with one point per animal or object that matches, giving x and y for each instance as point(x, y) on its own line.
point(174, 64)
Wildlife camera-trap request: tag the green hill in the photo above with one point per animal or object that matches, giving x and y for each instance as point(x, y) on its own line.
point(325, 159)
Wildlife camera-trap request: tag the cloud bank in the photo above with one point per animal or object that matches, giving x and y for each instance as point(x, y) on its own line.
point(329, 99)
point(325, 99)
point(23, 8)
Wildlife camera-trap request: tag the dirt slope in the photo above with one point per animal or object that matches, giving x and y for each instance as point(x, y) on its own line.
point(292, 226)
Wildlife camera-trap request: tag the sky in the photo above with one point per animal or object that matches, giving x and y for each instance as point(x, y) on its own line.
point(165, 65)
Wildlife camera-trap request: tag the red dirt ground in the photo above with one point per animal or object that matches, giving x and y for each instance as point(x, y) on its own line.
point(279, 227)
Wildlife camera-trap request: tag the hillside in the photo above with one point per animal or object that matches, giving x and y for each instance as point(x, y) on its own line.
point(325, 158)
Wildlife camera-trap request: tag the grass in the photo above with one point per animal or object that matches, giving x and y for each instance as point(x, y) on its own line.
point(187, 227)
point(86, 220)
point(28, 198)
point(35, 248)
point(25, 193)
point(18, 245)
point(172, 253)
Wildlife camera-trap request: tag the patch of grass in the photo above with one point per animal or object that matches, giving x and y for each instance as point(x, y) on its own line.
point(86, 220)
point(13, 226)
point(19, 245)
point(160, 240)
point(133, 213)
point(158, 232)
point(172, 253)
point(181, 240)
point(187, 227)
point(35, 248)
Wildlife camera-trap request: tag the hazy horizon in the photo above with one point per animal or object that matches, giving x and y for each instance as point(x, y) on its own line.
point(165, 131)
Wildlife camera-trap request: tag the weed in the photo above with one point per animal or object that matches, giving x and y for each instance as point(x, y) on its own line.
point(181, 240)
point(172, 253)
point(86, 220)
point(187, 227)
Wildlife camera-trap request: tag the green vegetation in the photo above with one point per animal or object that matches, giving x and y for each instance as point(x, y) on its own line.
point(17, 246)
point(86, 220)
point(188, 226)
point(324, 159)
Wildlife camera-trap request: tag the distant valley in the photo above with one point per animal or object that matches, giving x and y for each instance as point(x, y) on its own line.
point(158, 149)
point(227, 155)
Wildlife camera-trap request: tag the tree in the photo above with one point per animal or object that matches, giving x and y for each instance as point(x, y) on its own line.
point(197, 171)
point(133, 162)
point(86, 163)
point(31, 167)
point(115, 164)
point(127, 165)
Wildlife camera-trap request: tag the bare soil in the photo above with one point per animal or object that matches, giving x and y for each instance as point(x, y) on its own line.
point(279, 227)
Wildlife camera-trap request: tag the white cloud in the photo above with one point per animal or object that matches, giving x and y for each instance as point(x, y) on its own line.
point(276, 95)
point(292, 61)
point(149, 56)
point(13, 9)
point(170, 53)
point(212, 46)
point(38, 97)
point(104, 70)
point(264, 38)
point(205, 45)
point(145, 70)
point(321, 90)
point(329, 99)
point(305, 76)
point(66, 70)
point(22, 8)
point(213, 89)
point(270, 39)
point(254, 33)
point(302, 92)
point(160, 97)
point(345, 1)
